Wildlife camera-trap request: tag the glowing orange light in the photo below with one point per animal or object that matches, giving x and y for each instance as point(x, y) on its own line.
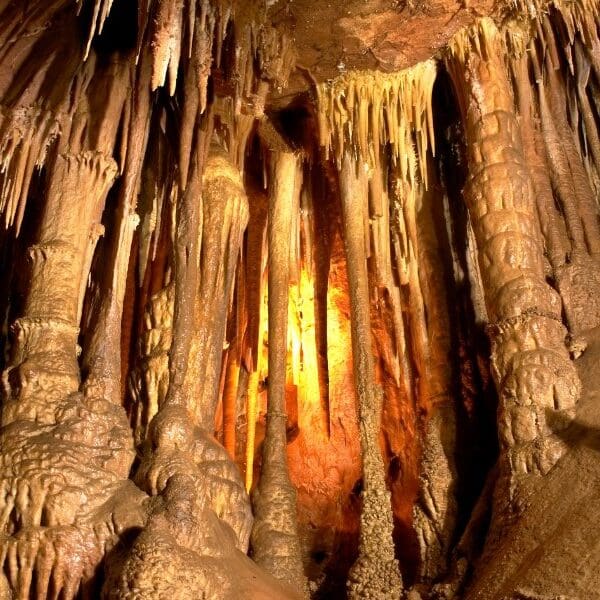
point(302, 352)
point(258, 375)
point(302, 365)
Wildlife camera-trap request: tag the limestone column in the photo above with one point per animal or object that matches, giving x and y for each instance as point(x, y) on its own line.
point(531, 365)
point(376, 573)
point(274, 535)
point(225, 217)
point(64, 456)
point(44, 367)
point(212, 218)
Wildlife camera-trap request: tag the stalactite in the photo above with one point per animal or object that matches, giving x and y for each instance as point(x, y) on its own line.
point(566, 145)
point(531, 365)
point(583, 68)
point(35, 130)
point(386, 233)
point(103, 361)
point(182, 34)
point(32, 113)
point(361, 110)
point(406, 197)
point(555, 91)
point(225, 209)
point(563, 158)
point(312, 414)
point(148, 379)
point(100, 12)
point(274, 535)
point(535, 153)
point(102, 355)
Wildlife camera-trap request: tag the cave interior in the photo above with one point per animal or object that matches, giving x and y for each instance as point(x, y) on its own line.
point(300, 299)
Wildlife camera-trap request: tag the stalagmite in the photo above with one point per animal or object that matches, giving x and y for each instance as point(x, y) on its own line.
point(436, 511)
point(531, 364)
point(376, 573)
point(274, 534)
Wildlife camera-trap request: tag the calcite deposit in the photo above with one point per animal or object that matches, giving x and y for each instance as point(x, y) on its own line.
point(299, 299)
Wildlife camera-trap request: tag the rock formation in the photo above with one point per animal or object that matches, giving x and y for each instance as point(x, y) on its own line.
point(300, 299)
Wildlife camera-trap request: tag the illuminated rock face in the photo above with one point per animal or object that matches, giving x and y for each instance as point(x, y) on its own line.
point(300, 299)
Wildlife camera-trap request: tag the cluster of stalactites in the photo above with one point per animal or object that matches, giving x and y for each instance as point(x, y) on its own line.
point(570, 30)
point(367, 110)
point(385, 121)
point(180, 44)
point(23, 148)
point(475, 39)
point(578, 13)
point(526, 21)
point(554, 68)
point(181, 30)
point(100, 12)
point(195, 31)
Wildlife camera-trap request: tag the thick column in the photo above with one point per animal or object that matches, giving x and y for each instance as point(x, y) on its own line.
point(183, 425)
point(65, 458)
point(531, 365)
point(44, 367)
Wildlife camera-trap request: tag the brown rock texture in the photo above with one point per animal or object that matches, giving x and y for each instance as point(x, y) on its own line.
point(531, 365)
point(299, 299)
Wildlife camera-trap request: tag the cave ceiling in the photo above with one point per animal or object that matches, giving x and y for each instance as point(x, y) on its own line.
point(337, 36)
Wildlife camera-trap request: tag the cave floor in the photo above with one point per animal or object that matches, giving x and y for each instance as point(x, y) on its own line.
point(555, 546)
